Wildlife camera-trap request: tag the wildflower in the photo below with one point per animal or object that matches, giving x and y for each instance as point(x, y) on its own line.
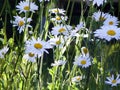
point(37, 46)
point(80, 26)
point(61, 29)
point(85, 51)
point(30, 57)
point(58, 63)
point(112, 81)
point(82, 61)
point(25, 6)
point(43, 0)
point(76, 79)
point(100, 16)
point(59, 19)
point(80, 30)
point(73, 33)
point(3, 51)
point(98, 2)
point(112, 20)
point(108, 33)
point(57, 41)
point(21, 23)
point(57, 11)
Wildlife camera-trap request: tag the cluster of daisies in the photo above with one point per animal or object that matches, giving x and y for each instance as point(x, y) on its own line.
point(62, 34)
point(109, 29)
point(24, 22)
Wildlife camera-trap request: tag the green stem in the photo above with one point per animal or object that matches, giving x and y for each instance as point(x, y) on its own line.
point(68, 5)
point(3, 7)
point(4, 29)
point(41, 65)
point(81, 16)
point(71, 12)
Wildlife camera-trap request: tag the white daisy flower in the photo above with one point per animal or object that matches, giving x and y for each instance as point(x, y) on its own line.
point(76, 79)
point(78, 29)
point(58, 63)
point(100, 16)
point(61, 29)
point(21, 23)
point(80, 26)
point(85, 51)
point(108, 33)
point(43, 0)
point(98, 2)
point(30, 57)
point(73, 33)
point(3, 51)
point(112, 20)
point(37, 46)
point(112, 81)
point(57, 11)
point(82, 61)
point(57, 41)
point(59, 19)
point(25, 6)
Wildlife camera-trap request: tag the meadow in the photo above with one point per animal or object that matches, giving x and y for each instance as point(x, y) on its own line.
point(56, 45)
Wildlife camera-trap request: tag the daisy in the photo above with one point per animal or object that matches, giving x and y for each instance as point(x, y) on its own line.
point(112, 81)
point(3, 51)
point(80, 26)
point(85, 51)
point(43, 0)
point(98, 2)
point(100, 16)
point(73, 33)
point(108, 33)
point(112, 20)
point(57, 41)
point(58, 63)
point(21, 23)
point(80, 30)
point(82, 61)
point(61, 29)
point(76, 79)
point(57, 11)
point(25, 6)
point(37, 46)
point(59, 19)
point(30, 57)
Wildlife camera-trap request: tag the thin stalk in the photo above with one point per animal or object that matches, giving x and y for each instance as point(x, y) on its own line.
point(71, 12)
point(68, 5)
point(81, 16)
point(3, 7)
point(41, 65)
point(4, 29)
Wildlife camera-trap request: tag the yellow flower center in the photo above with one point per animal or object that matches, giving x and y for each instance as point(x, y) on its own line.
point(26, 8)
point(78, 78)
point(85, 50)
point(61, 30)
point(83, 62)
point(101, 18)
point(56, 10)
point(31, 54)
point(111, 32)
point(58, 18)
point(114, 81)
point(21, 23)
point(111, 23)
point(38, 45)
point(58, 42)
